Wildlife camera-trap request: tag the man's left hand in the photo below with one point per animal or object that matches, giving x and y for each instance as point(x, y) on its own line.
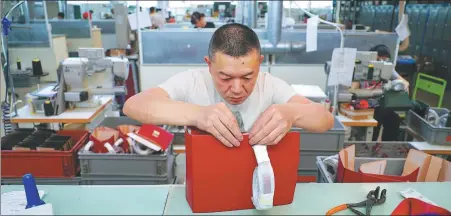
point(406, 85)
point(272, 125)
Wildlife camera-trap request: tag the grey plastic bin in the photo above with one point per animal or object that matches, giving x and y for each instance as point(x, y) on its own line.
point(126, 180)
point(121, 165)
point(394, 166)
point(44, 181)
point(307, 160)
point(430, 133)
point(331, 140)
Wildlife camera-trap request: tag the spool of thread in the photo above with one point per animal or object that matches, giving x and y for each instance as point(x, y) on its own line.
point(37, 67)
point(19, 64)
point(48, 108)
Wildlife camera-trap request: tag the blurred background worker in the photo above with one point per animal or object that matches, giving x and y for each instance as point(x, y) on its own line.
point(387, 119)
point(198, 20)
point(157, 18)
point(60, 16)
point(88, 14)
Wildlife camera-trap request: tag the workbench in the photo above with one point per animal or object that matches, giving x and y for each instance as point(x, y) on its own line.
point(366, 123)
point(310, 198)
point(87, 116)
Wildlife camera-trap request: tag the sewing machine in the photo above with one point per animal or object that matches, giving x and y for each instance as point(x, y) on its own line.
point(368, 68)
point(92, 74)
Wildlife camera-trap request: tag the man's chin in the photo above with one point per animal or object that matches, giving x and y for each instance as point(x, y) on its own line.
point(236, 101)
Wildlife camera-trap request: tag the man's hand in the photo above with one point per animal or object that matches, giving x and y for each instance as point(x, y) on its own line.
point(406, 85)
point(220, 122)
point(272, 125)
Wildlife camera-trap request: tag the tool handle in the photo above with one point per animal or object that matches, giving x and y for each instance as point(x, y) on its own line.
point(337, 209)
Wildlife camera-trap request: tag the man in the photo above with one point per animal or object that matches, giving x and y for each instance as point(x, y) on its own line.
point(231, 96)
point(198, 20)
point(387, 119)
point(60, 15)
point(156, 18)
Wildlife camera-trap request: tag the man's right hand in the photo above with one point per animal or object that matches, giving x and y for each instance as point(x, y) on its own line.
point(220, 122)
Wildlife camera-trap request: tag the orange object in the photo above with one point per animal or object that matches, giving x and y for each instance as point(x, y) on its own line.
point(337, 209)
point(45, 164)
point(219, 178)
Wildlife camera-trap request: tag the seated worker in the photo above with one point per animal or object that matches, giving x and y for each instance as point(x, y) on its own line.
point(60, 16)
point(386, 118)
point(198, 20)
point(231, 96)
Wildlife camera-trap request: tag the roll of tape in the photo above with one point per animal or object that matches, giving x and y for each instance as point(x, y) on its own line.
point(263, 183)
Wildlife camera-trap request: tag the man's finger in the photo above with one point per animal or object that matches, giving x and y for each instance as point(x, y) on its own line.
point(230, 121)
point(225, 132)
point(278, 139)
point(272, 136)
point(262, 120)
point(263, 132)
point(218, 136)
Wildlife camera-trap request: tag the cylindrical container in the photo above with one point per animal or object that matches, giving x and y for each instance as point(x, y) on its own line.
point(48, 108)
point(37, 67)
point(19, 64)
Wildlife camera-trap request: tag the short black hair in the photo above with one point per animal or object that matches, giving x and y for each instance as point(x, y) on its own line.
point(152, 9)
point(195, 17)
point(233, 39)
point(91, 11)
point(61, 14)
point(382, 50)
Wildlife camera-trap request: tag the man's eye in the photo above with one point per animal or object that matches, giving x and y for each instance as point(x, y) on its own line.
point(226, 79)
point(247, 78)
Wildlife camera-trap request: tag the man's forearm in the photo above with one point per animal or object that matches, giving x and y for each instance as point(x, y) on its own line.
point(312, 117)
point(162, 111)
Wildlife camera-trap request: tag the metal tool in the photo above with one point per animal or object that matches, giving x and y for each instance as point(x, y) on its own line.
point(372, 199)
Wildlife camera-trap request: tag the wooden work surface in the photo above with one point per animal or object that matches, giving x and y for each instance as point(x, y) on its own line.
point(356, 123)
point(77, 115)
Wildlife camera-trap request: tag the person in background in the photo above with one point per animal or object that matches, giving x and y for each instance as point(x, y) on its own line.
point(198, 20)
point(387, 119)
point(156, 18)
point(59, 16)
point(88, 14)
point(187, 15)
point(215, 14)
point(171, 19)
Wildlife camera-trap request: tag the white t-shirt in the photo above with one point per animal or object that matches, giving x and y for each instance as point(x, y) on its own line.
point(157, 20)
point(196, 86)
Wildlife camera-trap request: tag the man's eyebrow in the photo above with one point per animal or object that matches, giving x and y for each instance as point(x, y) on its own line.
point(222, 73)
point(247, 74)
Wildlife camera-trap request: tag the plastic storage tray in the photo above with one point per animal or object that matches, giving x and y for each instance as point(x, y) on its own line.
point(126, 165)
point(44, 181)
point(430, 133)
point(44, 164)
point(331, 140)
point(307, 160)
point(394, 166)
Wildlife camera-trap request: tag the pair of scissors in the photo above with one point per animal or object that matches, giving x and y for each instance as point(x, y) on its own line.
point(371, 199)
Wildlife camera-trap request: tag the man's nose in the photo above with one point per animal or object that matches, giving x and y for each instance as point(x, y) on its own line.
point(236, 86)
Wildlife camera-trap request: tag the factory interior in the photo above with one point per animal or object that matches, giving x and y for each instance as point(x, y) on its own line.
point(225, 107)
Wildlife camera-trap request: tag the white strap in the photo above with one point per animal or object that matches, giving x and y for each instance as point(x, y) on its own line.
point(88, 146)
point(263, 183)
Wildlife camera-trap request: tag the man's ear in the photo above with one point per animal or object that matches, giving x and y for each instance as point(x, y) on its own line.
point(261, 58)
point(207, 60)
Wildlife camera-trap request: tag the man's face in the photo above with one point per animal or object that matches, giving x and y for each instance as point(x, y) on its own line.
point(383, 58)
point(235, 78)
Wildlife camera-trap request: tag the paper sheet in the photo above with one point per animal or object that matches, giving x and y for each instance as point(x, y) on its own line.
point(14, 202)
point(342, 66)
point(411, 193)
point(403, 28)
point(312, 34)
point(144, 20)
